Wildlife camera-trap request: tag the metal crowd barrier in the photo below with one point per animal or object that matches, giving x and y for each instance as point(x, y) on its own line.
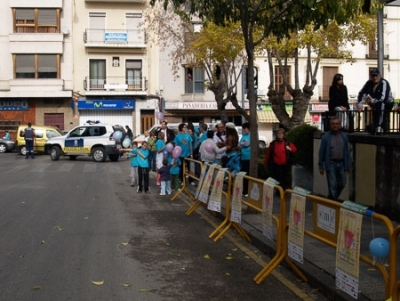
point(320, 205)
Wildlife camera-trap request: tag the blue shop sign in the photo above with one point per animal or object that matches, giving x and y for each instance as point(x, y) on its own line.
point(14, 104)
point(120, 104)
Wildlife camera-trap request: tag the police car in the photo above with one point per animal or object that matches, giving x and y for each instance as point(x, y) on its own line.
point(92, 139)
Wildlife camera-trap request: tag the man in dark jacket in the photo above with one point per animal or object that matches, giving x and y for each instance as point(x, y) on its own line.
point(334, 158)
point(169, 134)
point(29, 135)
point(378, 95)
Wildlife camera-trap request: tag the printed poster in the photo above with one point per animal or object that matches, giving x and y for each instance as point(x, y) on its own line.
point(348, 252)
point(236, 200)
point(296, 226)
point(201, 181)
point(267, 206)
point(207, 183)
point(214, 202)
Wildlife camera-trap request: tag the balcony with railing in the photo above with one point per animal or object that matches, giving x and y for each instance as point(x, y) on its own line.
point(120, 38)
point(115, 84)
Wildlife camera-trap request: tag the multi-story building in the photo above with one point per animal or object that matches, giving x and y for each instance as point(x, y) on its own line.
point(112, 64)
point(36, 71)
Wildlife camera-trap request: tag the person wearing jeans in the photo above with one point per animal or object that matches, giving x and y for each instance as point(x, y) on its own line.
point(334, 158)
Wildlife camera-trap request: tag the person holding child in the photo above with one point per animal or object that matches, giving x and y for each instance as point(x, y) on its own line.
point(132, 155)
point(165, 176)
point(143, 167)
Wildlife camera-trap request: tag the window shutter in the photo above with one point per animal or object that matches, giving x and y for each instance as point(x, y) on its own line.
point(133, 64)
point(47, 63)
point(25, 14)
point(25, 63)
point(47, 17)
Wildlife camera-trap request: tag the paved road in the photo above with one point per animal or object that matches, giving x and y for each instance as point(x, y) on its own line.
point(76, 230)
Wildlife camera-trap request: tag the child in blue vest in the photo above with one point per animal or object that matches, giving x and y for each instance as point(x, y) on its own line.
point(174, 171)
point(143, 167)
point(134, 165)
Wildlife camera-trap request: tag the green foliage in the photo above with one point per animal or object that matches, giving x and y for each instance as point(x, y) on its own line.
point(302, 137)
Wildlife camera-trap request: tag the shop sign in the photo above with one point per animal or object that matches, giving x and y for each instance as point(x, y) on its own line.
point(106, 104)
point(10, 104)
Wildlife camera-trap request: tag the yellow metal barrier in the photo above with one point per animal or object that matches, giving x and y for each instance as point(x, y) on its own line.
point(393, 265)
point(327, 238)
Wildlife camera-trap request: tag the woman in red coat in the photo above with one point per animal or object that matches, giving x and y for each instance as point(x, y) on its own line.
point(277, 157)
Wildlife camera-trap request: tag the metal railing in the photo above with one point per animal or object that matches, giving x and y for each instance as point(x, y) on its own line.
point(354, 121)
point(126, 37)
point(115, 83)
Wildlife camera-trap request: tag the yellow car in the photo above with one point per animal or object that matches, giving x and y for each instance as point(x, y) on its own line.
point(43, 133)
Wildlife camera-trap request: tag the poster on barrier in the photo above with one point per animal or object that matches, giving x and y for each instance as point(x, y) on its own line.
point(267, 205)
point(201, 181)
point(205, 189)
point(236, 202)
point(214, 203)
point(296, 224)
point(348, 252)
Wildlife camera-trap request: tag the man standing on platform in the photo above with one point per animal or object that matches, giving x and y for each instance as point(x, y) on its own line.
point(334, 158)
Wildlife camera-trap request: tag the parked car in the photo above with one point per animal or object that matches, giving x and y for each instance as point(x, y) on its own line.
point(43, 133)
point(95, 140)
point(6, 145)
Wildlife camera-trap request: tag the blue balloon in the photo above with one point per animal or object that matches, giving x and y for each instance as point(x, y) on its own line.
point(117, 135)
point(126, 143)
point(379, 247)
point(165, 153)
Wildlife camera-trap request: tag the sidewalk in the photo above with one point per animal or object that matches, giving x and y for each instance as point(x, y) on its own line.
point(319, 258)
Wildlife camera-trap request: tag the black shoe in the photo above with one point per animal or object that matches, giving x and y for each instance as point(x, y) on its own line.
point(132, 185)
point(148, 191)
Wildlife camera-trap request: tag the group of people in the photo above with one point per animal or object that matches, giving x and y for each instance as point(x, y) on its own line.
point(375, 93)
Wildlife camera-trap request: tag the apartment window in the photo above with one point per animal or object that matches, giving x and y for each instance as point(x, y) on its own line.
point(36, 20)
point(194, 80)
point(279, 85)
point(37, 66)
point(97, 74)
point(134, 74)
point(97, 25)
point(135, 33)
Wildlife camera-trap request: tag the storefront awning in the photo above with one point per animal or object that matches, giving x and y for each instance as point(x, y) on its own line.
point(266, 115)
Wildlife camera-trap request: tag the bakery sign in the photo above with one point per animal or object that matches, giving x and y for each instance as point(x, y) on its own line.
point(198, 105)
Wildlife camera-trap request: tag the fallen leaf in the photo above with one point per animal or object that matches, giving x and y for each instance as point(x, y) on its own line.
point(58, 228)
point(98, 282)
point(124, 243)
point(126, 284)
point(23, 202)
point(183, 269)
point(170, 261)
point(246, 257)
point(86, 217)
point(206, 256)
point(42, 242)
point(37, 287)
point(228, 257)
point(227, 274)
point(234, 249)
point(22, 256)
point(143, 290)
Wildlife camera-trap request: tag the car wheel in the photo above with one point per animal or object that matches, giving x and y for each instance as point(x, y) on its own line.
point(22, 150)
point(261, 144)
point(72, 157)
point(114, 158)
point(3, 148)
point(99, 154)
point(55, 153)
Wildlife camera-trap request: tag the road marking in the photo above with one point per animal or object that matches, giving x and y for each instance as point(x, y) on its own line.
point(282, 279)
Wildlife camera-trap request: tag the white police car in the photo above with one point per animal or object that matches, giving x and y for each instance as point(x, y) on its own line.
point(95, 140)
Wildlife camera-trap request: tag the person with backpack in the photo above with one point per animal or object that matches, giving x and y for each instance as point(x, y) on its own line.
point(29, 136)
point(277, 157)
